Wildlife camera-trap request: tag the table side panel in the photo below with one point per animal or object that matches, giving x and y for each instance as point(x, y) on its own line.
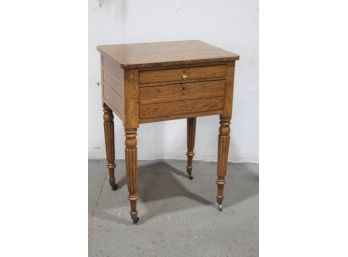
point(113, 67)
point(113, 86)
point(113, 100)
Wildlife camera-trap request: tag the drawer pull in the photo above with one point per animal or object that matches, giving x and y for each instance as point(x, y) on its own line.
point(184, 76)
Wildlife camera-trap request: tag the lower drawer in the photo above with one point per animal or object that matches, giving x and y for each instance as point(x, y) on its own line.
point(191, 106)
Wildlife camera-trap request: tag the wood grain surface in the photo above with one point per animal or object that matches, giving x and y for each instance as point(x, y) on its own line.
point(159, 54)
point(192, 106)
point(178, 92)
point(182, 74)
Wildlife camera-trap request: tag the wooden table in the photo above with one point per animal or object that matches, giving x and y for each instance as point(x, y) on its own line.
point(150, 82)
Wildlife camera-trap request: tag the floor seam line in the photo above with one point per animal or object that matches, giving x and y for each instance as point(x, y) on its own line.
point(99, 194)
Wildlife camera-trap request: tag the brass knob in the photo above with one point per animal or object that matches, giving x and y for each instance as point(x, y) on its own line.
point(184, 76)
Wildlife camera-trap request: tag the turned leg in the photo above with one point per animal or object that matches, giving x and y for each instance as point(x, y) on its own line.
point(110, 144)
point(131, 168)
point(224, 142)
point(191, 130)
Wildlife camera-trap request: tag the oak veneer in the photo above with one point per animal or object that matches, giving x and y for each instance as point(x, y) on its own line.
point(191, 131)
point(178, 74)
point(179, 92)
point(150, 82)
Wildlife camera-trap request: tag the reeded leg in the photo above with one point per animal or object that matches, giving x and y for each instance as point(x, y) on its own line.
point(224, 142)
point(110, 144)
point(131, 167)
point(191, 130)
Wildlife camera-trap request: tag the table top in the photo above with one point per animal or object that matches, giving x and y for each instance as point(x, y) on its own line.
point(160, 54)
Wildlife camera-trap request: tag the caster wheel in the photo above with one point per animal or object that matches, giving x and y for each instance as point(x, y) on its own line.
point(114, 187)
point(135, 221)
point(189, 173)
point(220, 207)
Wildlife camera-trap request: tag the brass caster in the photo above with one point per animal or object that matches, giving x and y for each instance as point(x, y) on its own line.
point(113, 187)
point(189, 173)
point(220, 207)
point(135, 221)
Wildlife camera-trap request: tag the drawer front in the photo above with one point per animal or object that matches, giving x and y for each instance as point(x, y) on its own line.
point(182, 74)
point(179, 92)
point(191, 106)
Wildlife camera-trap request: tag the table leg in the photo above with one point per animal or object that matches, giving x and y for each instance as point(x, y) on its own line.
point(223, 146)
point(191, 130)
point(131, 168)
point(110, 144)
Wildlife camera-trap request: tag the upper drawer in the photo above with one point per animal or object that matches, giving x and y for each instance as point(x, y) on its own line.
point(182, 74)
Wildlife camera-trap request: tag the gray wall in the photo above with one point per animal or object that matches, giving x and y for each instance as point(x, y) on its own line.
point(232, 25)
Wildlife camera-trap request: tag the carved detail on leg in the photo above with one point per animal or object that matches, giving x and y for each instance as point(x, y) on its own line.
point(191, 131)
point(223, 146)
point(110, 144)
point(131, 167)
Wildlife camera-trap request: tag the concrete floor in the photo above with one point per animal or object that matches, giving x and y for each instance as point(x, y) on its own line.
point(178, 216)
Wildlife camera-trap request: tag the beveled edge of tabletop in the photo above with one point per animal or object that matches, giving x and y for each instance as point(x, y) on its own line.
point(229, 57)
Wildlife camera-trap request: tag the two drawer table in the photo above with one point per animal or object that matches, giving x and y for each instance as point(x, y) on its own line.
point(151, 82)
